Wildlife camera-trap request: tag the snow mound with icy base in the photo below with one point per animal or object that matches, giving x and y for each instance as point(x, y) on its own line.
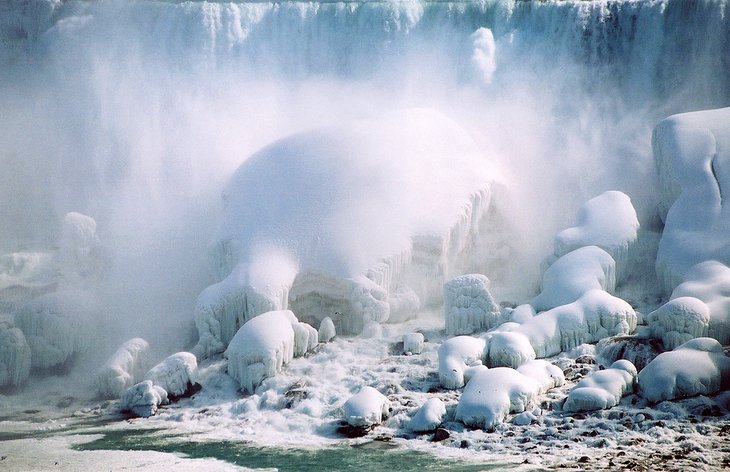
point(143, 399)
point(58, 325)
point(413, 343)
point(692, 153)
point(123, 368)
point(308, 220)
point(679, 320)
point(456, 355)
point(507, 348)
point(14, 356)
point(545, 374)
point(429, 416)
point(327, 330)
point(603, 389)
point(366, 408)
point(608, 221)
point(697, 367)
point(176, 374)
point(468, 305)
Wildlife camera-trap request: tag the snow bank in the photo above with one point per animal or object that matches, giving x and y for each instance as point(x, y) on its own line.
point(468, 305)
point(123, 368)
point(692, 154)
point(603, 389)
point(492, 394)
point(15, 356)
point(176, 374)
point(326, 330)
point(697, 367)
point(368, 407)
point(574, 274)
point(58, 325)
point(413, 343)
point(608, 221)
point(143, 399)
point(456, 355)
point(429, 416)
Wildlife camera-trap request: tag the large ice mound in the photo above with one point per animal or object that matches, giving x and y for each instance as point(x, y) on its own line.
point(143, 399)
point(123, 368)
point(603, 389)
point(14, 356)
point(468, 305)
point(368, 407)
point(176, 374)
point(456, 356)
point(429, 416)
point(298, 239)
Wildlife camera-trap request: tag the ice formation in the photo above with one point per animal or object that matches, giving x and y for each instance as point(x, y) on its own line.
point(175, 374)
point(544, 373)
point(508, 349)
point(143, 399)
point(575, 273)
point(413, 343)
point(692, 154)
point(468, 305)
point(123, 369)
point(14, 356)
point(456, 355)
point(429, 416)
point(27, 269)
point(697, 367)
point(308, 249)
point(603, 389)
point(608, 221)
point(58, 325)
point(306, 338)
point(79, 246)
point(679, 320)
point(326, 330)
point(368, 407)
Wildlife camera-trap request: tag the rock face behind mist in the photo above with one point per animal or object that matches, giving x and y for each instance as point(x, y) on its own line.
point(14, 356)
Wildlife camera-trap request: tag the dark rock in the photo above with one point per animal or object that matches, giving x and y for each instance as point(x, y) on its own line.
point(585, 360)
point(191, 390)
point(65, 402)
point(353, 431)
point(440, 435)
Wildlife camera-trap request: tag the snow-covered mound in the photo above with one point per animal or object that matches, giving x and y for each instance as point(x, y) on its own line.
point(429, 416)
point(545, 374)
point(309, 229)
point(608, 221)
point(679, 320)
point(58, 325)
point(507, 348)
point(458, 354)
point(413, 343)
point(79, 246)
point(603, 389)
point(697, 367)
point(368, 407)
point(575, 273)
point(327, 330)
point(175, 374)
point(692, 153)
point(143, 399)
point(123, 368)
point(468, 305)
point(14, 356)
point(306, 338)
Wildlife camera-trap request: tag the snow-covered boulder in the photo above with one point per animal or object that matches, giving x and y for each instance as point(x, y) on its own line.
point(494, 393)
point(608, 221)
point(176, 374)
point(697, 367)
point(575, 273)
point(143, 399)
point(468, 305)
point(79, 246)
point(413, 343)
point(309, 249)
point(679, 320)
point(429, 416)
point(326, 330)
point(603, 389)
point(692, 154)
point(123, 368)
point(58, 326)
point(509, 349)
point(14, 356)
point(456, 355)
point(544, 373)
point(368, 407)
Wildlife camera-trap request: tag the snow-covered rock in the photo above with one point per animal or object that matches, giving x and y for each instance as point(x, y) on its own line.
point(429, 416)
point(326, 330)
point(608, 221)
point(509, 349)
point(575, 273)
point(14, 356)
point(368, 407)
point(143, 399)
point(692, 154)
point(413, 343)
point(456, 355)
point(494, 393)
point(123, 368)
point(468, 305)
point(58, 326)
point(679, 320)
point(603, 389)
point(544, 373)
point(697, 367)
point(176, 374)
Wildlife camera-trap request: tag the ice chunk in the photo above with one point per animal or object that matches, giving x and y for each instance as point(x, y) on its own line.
point(468, 305)
point(692, 153)
point(429, 416)
point(368, 407)
point(176, 374)
point(544, 373)
point(143, 399)
point(679, 320)
point(603, 389)
point(608, 221)
point(58, 326)
point(326, 330)
point(697, 367)
point(455, 355)
point(14, 356)
point(574, 274)
point(413, 343)
point(123, 369)
point(305, 338)
point(492, 394)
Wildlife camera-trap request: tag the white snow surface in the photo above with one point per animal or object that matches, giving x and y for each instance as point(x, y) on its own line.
point(468, 305)
point(413, 343)
point(14, 356)
point(456, 355)
point(366, 408)
point(603, 389)
point(175, 373)
point(123, 369)
point(697, 367)
point(143, 399)
point(429, 416)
